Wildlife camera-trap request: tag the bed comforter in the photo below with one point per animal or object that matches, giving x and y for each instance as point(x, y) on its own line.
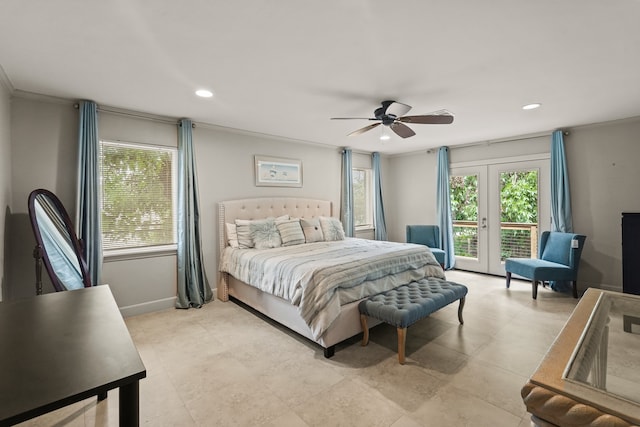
point(320, 277)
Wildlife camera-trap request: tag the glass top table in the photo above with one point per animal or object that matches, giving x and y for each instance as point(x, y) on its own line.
point(592, 370)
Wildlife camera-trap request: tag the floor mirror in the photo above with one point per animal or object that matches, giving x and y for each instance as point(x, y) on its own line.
point(57, 245)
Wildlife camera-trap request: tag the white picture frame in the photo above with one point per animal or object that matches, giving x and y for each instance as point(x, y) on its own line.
point(277, 172)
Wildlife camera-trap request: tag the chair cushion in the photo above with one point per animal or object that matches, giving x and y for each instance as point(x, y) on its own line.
point(558, 248)
point(539, 269)
point(427, 235)
point(439, 254)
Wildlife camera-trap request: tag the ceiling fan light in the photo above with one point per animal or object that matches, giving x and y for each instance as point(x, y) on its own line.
point(384, 135)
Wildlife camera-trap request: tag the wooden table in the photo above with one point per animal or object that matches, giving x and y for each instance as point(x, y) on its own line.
point(60, 348)
point(574, 384)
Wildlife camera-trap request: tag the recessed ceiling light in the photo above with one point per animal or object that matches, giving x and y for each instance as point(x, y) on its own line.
point(204, 93)
point(531, 106)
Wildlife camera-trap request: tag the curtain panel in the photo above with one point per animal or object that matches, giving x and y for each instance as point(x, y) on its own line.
point(560, 194)
point(346, 209)
point(443, 208)
point(561, 217)
point(193, 286)
point(378, 210)
point(88, 211)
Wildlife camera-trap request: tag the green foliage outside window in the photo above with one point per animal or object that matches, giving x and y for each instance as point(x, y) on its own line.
point(361, 197)
point(137, 203)
point(519, 204)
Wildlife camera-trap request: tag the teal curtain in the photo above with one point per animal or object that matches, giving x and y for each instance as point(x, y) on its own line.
point(193, 286)
point(560, 194)
point(443, 208)
point(560, 198)
point(88, 196)
point(346, 211)
point(378, 210)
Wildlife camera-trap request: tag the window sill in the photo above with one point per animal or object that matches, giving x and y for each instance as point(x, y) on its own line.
point(139, 253)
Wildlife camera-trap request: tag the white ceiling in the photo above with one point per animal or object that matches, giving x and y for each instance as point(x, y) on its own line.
point(284, 67)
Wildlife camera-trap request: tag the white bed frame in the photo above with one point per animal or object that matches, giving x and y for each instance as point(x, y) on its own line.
point(348, 322)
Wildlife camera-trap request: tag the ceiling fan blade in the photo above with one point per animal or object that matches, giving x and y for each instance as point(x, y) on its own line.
point(353, 118)
point(428, 119)
point(398, 109)
point(402, 130)
point(364, 129)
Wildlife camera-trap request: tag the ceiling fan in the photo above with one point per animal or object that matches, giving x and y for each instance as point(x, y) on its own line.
point(392, 114)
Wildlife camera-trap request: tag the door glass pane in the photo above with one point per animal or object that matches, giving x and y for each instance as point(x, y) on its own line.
point(519, 214)
point(464, 210)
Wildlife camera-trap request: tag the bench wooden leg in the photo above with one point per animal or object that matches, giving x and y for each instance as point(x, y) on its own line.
point(460, 307)
point(402, 340)
point(365, 329)
point(534, 289)
point(508, 279)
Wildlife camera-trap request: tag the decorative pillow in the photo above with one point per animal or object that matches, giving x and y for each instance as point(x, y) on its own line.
point(264, 234)
point(312, 230)
point(244, 233)
point(232, 235)
point(331, 228)
point(290, 232)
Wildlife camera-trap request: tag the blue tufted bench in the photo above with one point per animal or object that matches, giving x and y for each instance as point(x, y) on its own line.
point(405, 305)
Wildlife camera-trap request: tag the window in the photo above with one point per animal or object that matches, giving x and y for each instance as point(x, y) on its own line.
point(362, 198)
point(139, 194)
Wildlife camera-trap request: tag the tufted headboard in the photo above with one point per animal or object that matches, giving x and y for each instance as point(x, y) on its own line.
point(264, 207)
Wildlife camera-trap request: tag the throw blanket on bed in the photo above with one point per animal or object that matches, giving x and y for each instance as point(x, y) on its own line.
point(319, 277)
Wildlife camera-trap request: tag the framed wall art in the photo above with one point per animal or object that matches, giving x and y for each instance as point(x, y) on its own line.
point(278, 172)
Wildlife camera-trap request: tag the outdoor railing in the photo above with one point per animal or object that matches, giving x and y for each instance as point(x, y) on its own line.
point(519, 240)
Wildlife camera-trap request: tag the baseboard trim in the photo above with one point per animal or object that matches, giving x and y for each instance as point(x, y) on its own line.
point(148, 307)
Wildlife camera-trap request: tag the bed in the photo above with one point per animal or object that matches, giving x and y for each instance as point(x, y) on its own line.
point(339, 318)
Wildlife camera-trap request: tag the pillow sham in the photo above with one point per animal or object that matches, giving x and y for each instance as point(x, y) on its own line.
point(232, 235)
point(331, 228)
point(312, 230)
point(290, 232)
point(264, 234)
point(244, 233)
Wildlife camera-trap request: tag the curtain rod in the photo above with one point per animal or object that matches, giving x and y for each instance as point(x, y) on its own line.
point(500, 141)
point(128, 113)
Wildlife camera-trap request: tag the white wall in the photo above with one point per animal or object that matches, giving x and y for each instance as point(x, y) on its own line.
point(43, 133)
point(603, 163)
point(603, 172)
point(410, 192)
point(225, 162)
point(43, 153)
point(5, 176)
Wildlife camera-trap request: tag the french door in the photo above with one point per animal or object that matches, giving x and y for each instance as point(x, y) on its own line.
point(499, 210)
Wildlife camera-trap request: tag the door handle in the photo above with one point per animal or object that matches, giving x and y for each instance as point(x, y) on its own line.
point(484, 223)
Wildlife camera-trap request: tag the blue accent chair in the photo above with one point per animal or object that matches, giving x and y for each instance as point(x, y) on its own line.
point(428, 235)
point(558, 260)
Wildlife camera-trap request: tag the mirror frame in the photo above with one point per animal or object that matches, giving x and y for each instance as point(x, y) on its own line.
point(40, 250)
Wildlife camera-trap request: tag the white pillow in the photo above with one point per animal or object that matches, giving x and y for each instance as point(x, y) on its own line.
point(290, 232)
point(264, 234)
point(232, 235)
point(244, 233)
point(331, 228)
point(312, 230)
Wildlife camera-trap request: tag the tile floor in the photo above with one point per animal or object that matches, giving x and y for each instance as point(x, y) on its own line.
point(222, 365)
